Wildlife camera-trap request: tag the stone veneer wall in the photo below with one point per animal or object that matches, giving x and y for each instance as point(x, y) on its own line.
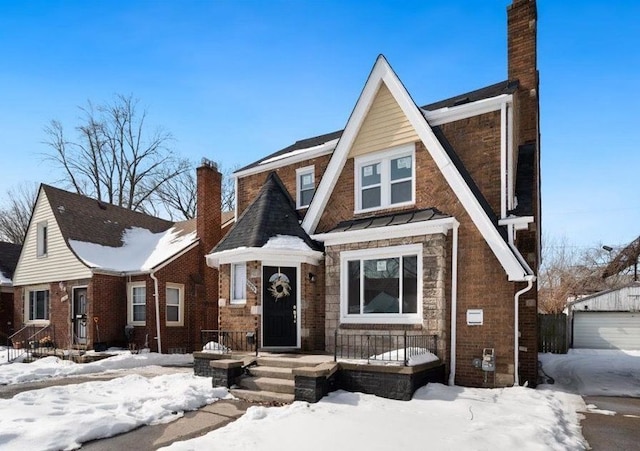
point(434, 291)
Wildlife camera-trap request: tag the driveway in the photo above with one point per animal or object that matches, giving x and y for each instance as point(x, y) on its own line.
point(612, 423)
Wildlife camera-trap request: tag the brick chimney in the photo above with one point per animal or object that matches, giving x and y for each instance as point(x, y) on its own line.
point(208, 204)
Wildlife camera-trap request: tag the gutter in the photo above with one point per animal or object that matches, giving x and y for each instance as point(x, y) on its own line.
point(454, 303)
point(157, 298)
point(516, 335)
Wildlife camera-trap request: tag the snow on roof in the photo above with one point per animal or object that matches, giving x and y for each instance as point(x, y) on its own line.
point(287, 242)
point(329, 145)
point(141, 250)
point(4, 280)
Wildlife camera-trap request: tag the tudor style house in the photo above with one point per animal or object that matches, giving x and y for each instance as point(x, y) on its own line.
point(424, 219)
point(92, 272)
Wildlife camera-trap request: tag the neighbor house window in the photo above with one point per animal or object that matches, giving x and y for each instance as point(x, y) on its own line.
point(305, 186)
point(382, 285)
point(385, 179)
point(42, 239)
point(238, 283)
point(175, 304)
point(38, 305)
point(137, 300)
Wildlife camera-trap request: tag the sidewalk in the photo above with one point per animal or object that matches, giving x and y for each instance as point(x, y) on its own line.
point(193, 424)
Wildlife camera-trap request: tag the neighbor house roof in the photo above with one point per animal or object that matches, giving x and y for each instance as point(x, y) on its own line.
point(9, 255)
point(271, 214)
point(503, 87)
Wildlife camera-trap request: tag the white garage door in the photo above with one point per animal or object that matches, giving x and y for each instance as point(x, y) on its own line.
point(606, 330)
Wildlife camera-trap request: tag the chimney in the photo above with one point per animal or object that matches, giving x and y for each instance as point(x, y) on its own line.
point(208, 204)
point(522, 19)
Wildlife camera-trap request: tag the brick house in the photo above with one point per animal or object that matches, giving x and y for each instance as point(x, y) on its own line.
point(424, 219)
point(91, 272)
point(9, 254)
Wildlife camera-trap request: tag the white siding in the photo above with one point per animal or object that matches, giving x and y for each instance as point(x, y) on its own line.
point(59, 264)
point(606, 330)
point(385, 126)
point(625, 299)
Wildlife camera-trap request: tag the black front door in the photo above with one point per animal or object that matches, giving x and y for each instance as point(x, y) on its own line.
point(279, 309)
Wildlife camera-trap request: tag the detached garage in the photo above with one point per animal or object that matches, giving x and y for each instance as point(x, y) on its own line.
point(607, 320)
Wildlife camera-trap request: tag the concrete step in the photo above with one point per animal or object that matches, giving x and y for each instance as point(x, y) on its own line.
point(273, 372)
point(285, 362)
point(267, 384)
point(262, 396)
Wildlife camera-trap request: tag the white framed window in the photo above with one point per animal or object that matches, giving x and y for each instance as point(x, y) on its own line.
point(305, 186)
point(137, 303)
point(385, 179)
point(37, 305)
point(175, 304)
point(382, 285)
point(42, 239)
point(238, 283)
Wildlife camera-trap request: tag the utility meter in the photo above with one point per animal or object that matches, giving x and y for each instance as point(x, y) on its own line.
point(488, 359)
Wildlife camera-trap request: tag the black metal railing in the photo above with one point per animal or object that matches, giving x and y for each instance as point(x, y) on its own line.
point(31, 340)
point(383, 348)
point(228, 341)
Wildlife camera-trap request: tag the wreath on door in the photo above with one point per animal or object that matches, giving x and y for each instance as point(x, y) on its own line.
point(279, 286)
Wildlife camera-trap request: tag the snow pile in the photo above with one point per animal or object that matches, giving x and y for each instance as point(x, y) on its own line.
point(53, 367)
point(63, 417)
point(214, 347)
point(141, 250)
point(4, 280)
point(417, 356)
point(287, 242)
point(438, 417)
point(594, 372)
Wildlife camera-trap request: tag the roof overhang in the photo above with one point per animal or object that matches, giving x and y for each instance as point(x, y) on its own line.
point(245, 254)
point(385, 233)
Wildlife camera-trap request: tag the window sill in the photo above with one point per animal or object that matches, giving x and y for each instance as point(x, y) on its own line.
point(38, 322)
point(174, 324)
point(363, 321)
point(242, 304)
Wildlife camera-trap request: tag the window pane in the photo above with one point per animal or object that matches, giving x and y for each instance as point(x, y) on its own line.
point(371, 197)
point(306, 196)
point(371, 174)
point(381, 286)
point(410, 284)
point(353, 285)
point(173, 313)
point(306, 181)
point(401, 192)
point(139, 295)
point(401, 168)
point(239, 281)
point(139, 313)
point(173, 296)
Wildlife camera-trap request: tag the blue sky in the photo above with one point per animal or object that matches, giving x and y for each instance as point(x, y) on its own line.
point(236, 80)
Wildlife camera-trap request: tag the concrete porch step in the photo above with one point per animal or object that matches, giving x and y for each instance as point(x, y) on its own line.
point(262, 396)
point(273, 372)
point(269, 384)
point(293, 361)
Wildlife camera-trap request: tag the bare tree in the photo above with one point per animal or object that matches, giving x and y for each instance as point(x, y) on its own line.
point(115, 157)
point(569, 272)
point(15, 214)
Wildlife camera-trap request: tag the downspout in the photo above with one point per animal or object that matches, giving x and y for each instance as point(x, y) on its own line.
point(516, 337)
point(454, 302)
point(155, 294)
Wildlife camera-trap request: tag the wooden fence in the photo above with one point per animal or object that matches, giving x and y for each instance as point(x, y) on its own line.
point(552, 333)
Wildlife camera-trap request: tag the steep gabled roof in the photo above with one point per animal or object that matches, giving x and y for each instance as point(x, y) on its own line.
point(382, 73)
point(9, 255)
point(81, 218)
point(271, 214)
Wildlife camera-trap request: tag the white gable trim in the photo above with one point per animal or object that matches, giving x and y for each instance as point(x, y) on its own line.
point(245, 254)
point(457, 113)
point(382, 73)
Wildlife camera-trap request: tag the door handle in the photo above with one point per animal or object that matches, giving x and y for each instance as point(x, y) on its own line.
point(295, 315)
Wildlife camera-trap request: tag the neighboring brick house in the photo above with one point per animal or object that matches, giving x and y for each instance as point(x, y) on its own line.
point(429, 218)
point(88, 270)
point(9, 254)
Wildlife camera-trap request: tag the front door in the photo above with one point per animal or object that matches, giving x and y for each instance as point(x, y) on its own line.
point(279, 306)
point(79, 319)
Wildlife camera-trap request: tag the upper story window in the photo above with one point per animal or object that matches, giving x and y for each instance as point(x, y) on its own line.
point(175, 304)
point(42, 239)
point(305, 186)
point(385, 179)
point(38, 305)
point(238, 283)
point(137, 304)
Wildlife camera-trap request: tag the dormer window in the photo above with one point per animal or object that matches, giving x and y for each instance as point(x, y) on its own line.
point(385, 179)
point(305, 186)
point(42, 239)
